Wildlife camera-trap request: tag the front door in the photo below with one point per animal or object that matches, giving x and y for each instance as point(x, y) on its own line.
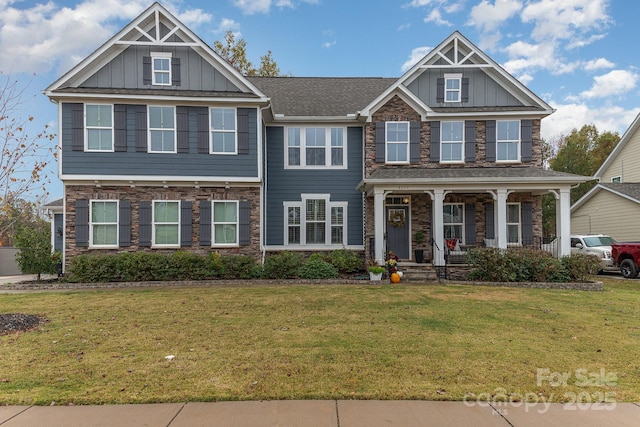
point(398, 240)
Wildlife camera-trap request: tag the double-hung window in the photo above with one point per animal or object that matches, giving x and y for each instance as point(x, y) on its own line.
point(104, 223)
point(225, 223)
point(314, 147)
point(452, 87)
point(513, 223)
point(315, 221)
point(161, 68)
point(508, 140)
point(99, 127)
point(223, 131)
point(453, 218)
point(162, 129)
point(166, 223)
point(397, 142)
point(452, 141)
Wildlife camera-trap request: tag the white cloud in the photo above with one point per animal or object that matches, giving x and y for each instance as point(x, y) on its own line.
point(416, 55)
point(328, 45)
point(250, 7)
point(575, 115)
point(597, 64)
point(613, 83)
point(488, 17)
point(527, 56)
point(436, 18)
point(228, 25)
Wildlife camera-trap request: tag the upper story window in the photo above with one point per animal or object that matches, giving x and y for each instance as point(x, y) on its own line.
point(223, 131)
point(103, 226)
point(315, 147)
point(166, 223)
point(315, 221)
point(225, 223)
point(99, 127)
point(397, 142)
point(513, 224)
point(616, 179)
point(452, 87)
point(452, 141)
point(161, 68)
point(162, 129)
point(508, 140)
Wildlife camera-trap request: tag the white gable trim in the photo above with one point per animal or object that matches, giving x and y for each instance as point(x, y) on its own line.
point(404, 94)
point(628, 135)
point(584, 199)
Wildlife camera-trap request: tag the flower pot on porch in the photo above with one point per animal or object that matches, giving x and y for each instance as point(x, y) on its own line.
point(419, 255)
point(375, 276)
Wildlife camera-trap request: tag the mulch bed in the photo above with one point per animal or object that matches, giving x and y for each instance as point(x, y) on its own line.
point(18, 322)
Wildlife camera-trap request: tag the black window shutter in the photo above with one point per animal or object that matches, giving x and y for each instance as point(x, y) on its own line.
point(470, 141)
point(205, 223)
point(120, 127)
point(185, 222)
point(489, 221)
point(526, 133)
point(491, 140)
point(244, 219)
point(434, 148)
point(380, 142)
point(470, 223)
point(440, 90)
point(243, 130)
point(203, 131)
point(124, 225)
point(527, 223)
point(182, 127)
point(414, 142)
point(464, 95)
point(175, 71)
point(146, 70)
point(141, 128)
point(144, 228)
point(77, 127)
point(82, 223)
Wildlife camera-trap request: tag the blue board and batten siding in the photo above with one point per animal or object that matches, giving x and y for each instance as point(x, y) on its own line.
point(287, 185)
point(125, 71)
point(135, 161)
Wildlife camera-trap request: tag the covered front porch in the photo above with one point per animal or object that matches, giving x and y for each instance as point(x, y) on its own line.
point(456, 209)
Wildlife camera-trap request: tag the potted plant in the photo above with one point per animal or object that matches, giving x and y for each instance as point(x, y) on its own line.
point(419, 251)
point(375, 272)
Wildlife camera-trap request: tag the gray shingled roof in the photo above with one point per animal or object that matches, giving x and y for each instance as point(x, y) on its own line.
point(321, 96)
point(629, 189)
point(467, 173)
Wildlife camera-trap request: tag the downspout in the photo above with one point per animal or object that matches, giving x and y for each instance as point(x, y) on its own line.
point(263, 187)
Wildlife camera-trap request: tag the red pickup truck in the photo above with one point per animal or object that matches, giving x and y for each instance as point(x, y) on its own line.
point(626, 255)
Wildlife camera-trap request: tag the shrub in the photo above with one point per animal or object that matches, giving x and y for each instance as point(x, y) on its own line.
point(93, 268)
point(344, 260)
point(580, 266)
point(239, 267)
point(34, 244)
point(190, 266)
point(283, 265)
point(318, 269)
point(515, 265)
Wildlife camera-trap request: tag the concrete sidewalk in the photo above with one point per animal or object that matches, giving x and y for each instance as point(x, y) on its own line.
point(330, 413)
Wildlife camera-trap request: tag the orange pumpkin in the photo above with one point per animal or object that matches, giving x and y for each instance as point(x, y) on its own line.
point(395, 278)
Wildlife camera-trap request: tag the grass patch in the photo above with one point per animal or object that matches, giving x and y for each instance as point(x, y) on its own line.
point(318, 342)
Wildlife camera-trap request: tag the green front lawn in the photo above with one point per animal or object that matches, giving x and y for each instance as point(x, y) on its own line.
point(322, 342)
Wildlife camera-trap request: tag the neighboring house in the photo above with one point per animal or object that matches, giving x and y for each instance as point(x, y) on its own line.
point(165, 146)
point(612, 207)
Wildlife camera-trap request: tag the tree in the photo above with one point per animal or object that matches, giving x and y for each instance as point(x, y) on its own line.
point(235, 53)
point(25, 156)
point(34, 244)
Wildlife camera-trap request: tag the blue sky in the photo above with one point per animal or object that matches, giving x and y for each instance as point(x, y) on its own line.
point(578, 55)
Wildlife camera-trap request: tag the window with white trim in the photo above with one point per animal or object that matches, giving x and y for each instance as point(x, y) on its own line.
point(451, 141)
point(225, 223)
point(453, 219)
point(315, 221)
point(616, 179)
point(397, 142)
point(514, 224)
point(508, 140)
point(161, 68)
point(452, 87)
point(99, 127)
point(162, 129)
point(103, 223)
point(223, 131)
point(315, 147)
point(166, 223)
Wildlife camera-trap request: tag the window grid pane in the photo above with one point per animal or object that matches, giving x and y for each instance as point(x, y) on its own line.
point(162, 128)
point(225, 223)
point(104, 223)
point(507, 139)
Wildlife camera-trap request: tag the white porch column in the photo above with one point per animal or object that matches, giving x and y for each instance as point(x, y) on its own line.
point(378, 224)
point(437, 226)
point(501, 218)
point(563, 221)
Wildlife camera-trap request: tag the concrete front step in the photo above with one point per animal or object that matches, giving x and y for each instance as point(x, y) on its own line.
point(414, 272)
